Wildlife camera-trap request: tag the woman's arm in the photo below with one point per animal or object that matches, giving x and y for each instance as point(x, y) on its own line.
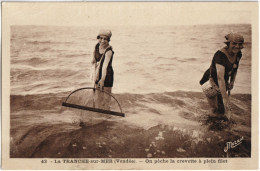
point(108, 56)
point(222, 84)
point(233, 76)
point(232, 80)
point(93, 61)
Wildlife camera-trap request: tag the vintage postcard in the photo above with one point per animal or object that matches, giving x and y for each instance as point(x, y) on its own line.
point(130, 85)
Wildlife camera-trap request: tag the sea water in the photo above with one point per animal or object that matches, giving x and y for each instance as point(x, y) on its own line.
point(148, 59)
point(157, 70)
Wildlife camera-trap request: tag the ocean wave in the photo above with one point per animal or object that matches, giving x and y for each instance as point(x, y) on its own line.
point(44, 49)
point(35, 42)
point(73, 55)
point(193, 38)
point(46, 74)
point(127, 100)
point(191, 59)
point(164, 59)
point(34, 61)
point(28, 62)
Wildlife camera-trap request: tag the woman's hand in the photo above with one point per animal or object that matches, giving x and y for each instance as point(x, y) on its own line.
point(230, 85)
point(101, 84)
point(108, 56)
point(93, 61)
point(226, 103)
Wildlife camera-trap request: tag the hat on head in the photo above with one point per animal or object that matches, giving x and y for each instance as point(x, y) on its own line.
point(234, 37)
point(106, 33)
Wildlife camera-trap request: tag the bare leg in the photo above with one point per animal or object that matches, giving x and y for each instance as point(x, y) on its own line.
point(107, 98)
point(216, 104)
point(98, 98)
point(213, 102)
point(221, 108)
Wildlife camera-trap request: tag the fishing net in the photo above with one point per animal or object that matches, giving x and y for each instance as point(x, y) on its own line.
point(92, 106)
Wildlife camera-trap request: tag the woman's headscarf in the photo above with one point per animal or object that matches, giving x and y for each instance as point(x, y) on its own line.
point(234, 37)
point(106, 33)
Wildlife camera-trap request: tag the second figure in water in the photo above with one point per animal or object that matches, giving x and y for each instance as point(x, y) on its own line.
point(223, 71)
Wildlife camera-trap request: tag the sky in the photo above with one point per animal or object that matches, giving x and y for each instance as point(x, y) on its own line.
point(127, 13)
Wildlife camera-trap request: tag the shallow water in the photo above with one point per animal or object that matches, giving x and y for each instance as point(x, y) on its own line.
point(178, 124)
point(157, 73)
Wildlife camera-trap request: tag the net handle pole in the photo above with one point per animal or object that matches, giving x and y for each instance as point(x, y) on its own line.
point(93, 109)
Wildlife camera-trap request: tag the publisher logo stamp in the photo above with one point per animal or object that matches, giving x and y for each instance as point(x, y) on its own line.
point(233, 144)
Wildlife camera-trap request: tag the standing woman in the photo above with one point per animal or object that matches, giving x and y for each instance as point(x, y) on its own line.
point(104, 77)
point(223, 72)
